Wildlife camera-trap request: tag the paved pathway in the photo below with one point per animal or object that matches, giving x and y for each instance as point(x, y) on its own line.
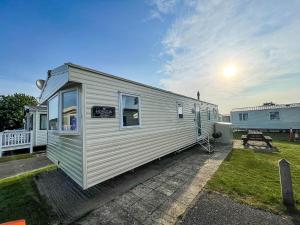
point(164, 197)
point(15, 167)
point(216, 209)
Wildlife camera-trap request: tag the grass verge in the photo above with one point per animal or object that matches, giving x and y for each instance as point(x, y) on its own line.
point(16, 157)
point(20, 199)
point(252, 176)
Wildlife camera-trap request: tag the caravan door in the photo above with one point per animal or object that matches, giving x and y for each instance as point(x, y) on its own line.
point(198, 120)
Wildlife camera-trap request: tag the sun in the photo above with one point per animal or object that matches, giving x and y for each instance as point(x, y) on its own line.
point(230, 71)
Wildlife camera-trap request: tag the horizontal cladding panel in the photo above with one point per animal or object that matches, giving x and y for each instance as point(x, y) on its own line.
point(67, 150)
point(94, 178)
point(104, 161)
point(125, 136)
point(108, 146)
point(130, 158)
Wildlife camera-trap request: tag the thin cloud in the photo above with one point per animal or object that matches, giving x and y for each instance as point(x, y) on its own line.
point(261, 38)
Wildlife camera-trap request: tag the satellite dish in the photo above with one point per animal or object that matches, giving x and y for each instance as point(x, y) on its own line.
point(40, 84)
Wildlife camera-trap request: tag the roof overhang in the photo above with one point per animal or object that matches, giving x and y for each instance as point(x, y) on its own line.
point(57, 78)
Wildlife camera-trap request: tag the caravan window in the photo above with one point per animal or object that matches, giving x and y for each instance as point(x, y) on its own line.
point(69, 111)
point(180, 110)
point(243, 116)
point(274, 116)
point(53, 113)
point(130, 110)
point(43, 121)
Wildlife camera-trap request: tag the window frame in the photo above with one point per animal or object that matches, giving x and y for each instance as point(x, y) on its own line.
point(181, 103)
point(241, 116)
point(69, 132)
point(274, 118)
point(244, 117)
point(48, 101)
point(60, 105)
point(43, 114)
point(121, 94)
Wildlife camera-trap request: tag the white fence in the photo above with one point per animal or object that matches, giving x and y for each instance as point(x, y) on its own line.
point(15, 139)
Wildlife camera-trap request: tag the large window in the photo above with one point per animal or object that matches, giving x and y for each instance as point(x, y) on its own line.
point(63, 112)
point(130, 110)
point(43, 121)
point(274, 116)
point(180, 110)
point(69, 111)
point(53, 113)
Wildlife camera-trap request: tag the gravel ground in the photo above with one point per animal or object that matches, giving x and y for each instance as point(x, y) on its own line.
point(216, 209)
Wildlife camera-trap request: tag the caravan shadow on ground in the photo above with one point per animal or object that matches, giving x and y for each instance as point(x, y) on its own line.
point(157, 192)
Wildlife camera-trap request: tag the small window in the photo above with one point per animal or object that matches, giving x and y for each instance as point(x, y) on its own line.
point(69, 111)
point(180, 110)
point(208, 114)
point(53, 113)
point(130, 110)
point(274, 116)
point(215, 113)
point(43, 121)
point(245, 116)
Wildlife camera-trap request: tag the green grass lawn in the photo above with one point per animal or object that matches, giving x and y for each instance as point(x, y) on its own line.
point(19, 199)
point(16, 157)
point(252, 177)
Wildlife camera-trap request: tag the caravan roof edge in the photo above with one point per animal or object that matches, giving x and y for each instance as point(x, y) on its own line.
point(129, 81)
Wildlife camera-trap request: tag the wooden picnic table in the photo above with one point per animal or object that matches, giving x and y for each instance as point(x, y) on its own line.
point(254, 135)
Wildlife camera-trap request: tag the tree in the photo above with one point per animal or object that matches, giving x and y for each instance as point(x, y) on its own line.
point(12, 110)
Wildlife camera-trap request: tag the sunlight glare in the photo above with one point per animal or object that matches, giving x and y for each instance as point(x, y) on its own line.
point(229, 71)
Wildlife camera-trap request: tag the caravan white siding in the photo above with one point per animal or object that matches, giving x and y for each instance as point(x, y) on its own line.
point(110, 150)
point(66, 152)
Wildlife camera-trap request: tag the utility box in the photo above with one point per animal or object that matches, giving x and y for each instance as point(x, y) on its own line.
point(226, 131)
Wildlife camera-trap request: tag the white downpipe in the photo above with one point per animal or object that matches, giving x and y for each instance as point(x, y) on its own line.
point(31, 141)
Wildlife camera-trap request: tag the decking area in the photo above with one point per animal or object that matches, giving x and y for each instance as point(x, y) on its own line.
point(11, 140)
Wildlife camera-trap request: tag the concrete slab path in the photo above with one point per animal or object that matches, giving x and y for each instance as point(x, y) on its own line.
point(15, 167)
point(164, 197)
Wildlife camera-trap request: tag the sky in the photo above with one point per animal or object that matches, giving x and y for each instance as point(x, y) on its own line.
point(179, 45)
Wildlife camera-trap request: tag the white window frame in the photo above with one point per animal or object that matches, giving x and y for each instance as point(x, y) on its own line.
point(54, 96)
point(247, 116)
point(182, 105)
point(241, 116)
point(121, 94)
point(274, 112)
point(43, 114)
point(78, 125)
point(208, 114)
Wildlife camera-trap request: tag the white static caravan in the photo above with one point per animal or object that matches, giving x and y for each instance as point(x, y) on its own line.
point(267, 117)
point(36, 121)
point(101, 125)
